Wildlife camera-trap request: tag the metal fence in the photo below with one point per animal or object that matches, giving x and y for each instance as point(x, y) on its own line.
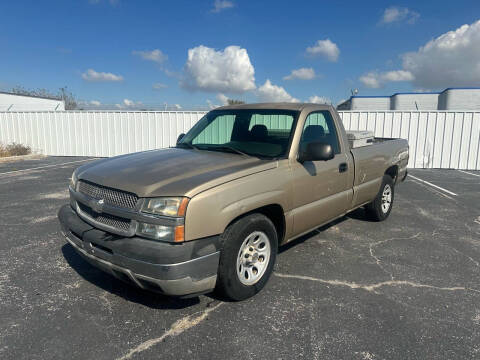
point(438, 139)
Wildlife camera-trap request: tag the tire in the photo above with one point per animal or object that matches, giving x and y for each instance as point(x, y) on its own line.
point(241, 276)
point(381, 206)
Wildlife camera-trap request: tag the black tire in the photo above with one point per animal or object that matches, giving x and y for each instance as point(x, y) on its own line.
point(228, 282)
point(375, 210)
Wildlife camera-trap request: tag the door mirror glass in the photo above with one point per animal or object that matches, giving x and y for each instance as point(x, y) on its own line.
point(317, 151)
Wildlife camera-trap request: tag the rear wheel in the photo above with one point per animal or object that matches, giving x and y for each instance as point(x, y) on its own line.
point(381, 206)
point(247, 258)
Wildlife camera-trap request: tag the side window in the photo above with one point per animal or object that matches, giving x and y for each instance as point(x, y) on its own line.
point(320, 127)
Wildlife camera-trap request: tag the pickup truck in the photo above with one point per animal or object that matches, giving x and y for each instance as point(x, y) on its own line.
point(210, 213)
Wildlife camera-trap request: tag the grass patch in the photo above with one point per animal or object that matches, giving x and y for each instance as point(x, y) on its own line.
point(14, 149)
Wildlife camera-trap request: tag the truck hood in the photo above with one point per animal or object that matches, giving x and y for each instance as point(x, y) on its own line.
point(171, 172)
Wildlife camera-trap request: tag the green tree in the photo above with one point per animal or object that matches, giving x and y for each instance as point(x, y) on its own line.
point(235, 102)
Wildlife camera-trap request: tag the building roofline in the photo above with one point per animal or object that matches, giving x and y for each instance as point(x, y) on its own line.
point(31, 96)
point(461, 88)
point(416, 93)
point(367, 96)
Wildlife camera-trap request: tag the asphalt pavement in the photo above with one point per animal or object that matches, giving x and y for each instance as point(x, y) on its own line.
point(406, 288)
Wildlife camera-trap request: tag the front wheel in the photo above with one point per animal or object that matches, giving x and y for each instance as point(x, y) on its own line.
point(247, 258)
point(381, 206)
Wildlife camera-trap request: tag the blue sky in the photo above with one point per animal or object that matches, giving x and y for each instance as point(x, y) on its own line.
point(125, 51)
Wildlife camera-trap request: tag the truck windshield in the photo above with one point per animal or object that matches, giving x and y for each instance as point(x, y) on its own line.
point(261, 133)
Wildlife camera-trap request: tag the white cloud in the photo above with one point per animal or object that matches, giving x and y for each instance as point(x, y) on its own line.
point(220, 5)
point(452, 59)
point(273, 93)
point(319, 100)
point(155, 55)
point(95, 103)
point(371, 79)
point(397, 14)
point(228, 70)
point(397, 75)
point(301, 74)
point(211, 105)
point(94, 76)
point(129, 104)
point(375, 79)
point(159, 86)
point(325, 48)
point(223, 99)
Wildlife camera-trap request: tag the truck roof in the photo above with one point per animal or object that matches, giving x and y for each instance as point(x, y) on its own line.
point(278, 106)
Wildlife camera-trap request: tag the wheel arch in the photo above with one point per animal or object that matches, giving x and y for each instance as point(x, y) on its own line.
point(392, 171)
point(274, 212)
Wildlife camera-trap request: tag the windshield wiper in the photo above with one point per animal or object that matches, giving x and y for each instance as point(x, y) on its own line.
point(228, 148)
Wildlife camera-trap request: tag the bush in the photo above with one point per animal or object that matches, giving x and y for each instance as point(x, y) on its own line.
point(14, 149)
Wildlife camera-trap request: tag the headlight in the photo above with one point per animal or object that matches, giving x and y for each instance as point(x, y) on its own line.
point(73, 181)
point(166, 206)
point(161, 232)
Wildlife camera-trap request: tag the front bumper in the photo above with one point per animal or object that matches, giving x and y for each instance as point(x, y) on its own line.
point(182, 269)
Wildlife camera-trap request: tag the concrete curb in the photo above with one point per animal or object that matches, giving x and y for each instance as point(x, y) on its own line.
point(21, 158)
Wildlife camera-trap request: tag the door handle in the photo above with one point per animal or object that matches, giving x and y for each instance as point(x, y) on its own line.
point(342, 167)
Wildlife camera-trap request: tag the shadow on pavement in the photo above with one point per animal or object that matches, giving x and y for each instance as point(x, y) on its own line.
point(117, 287)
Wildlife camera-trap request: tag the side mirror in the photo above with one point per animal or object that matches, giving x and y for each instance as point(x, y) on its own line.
point(180, 137)
point(316, 151)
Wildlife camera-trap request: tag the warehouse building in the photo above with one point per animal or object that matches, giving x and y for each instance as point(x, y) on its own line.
point(365, 103)
point(459, 99)
point(414, 101)
point(15, 102)
point(448, 99)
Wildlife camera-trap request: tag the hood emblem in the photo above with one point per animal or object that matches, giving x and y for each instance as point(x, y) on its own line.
point(97, 205)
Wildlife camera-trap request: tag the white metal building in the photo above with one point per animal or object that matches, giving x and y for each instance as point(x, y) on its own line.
point(414, 101)
point(463, 99)
point(366, 103)
point(14, 102)
point(459, 99)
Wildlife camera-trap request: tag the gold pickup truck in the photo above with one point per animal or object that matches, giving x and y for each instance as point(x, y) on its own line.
point(210, 213)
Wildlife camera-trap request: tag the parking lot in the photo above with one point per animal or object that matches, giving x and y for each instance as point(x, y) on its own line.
point(405, 288)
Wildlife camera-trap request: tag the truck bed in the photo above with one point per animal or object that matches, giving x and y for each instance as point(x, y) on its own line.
point(370, 164)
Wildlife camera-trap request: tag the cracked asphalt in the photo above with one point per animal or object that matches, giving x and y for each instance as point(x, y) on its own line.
point(406, 288)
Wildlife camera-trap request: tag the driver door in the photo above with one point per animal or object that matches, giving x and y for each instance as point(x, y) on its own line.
point(320, 190)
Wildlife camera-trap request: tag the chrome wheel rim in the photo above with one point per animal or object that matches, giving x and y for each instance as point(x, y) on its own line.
point(386, 198)
point(253, 258)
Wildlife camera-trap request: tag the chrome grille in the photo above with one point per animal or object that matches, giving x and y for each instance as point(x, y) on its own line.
point(105, 219)
point(111, 196)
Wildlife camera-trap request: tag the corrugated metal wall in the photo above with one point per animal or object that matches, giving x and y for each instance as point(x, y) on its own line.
point(438, 139)
point(87, 133)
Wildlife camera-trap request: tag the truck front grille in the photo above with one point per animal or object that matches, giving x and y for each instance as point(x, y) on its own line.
point(111, 196)
point(105, 219)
